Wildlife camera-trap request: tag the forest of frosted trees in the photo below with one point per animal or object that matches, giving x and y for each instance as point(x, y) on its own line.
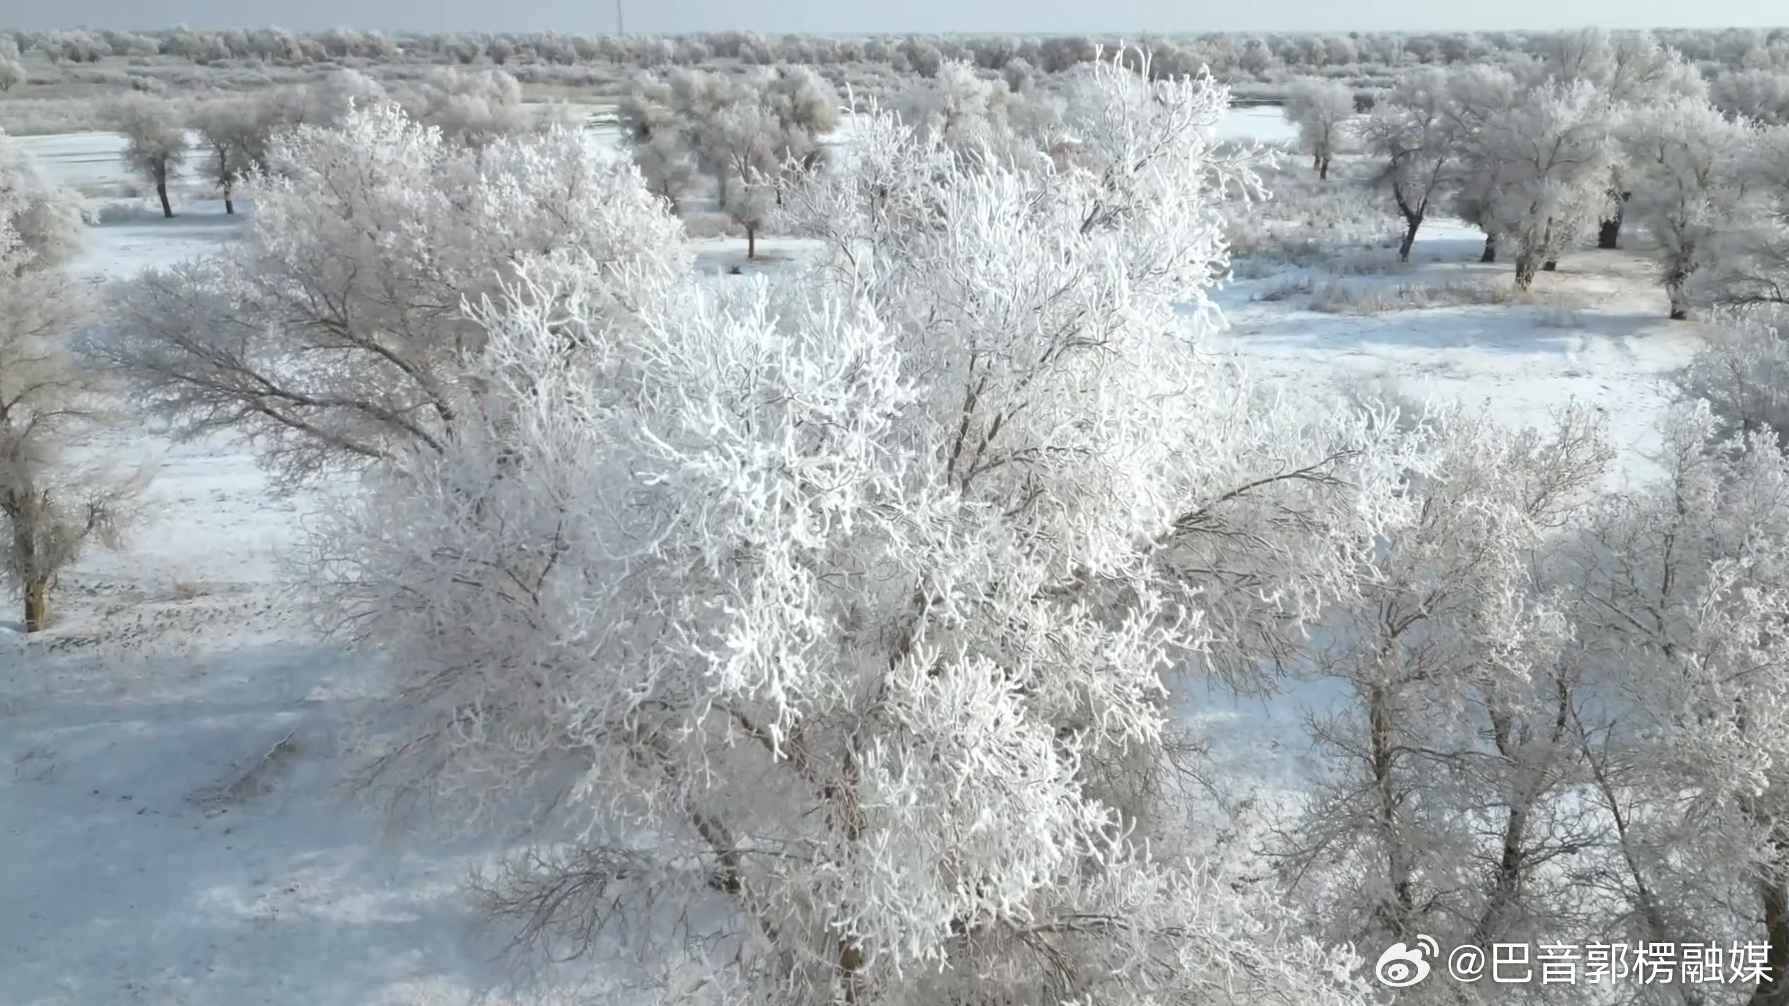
point(825, 635)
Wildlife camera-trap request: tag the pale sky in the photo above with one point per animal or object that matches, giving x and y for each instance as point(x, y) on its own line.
point(1024, 17)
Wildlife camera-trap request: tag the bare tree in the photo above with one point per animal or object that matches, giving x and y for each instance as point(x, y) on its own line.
point(155, 143)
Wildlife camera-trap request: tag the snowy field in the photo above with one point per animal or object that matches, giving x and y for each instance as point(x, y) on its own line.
point(173, 833)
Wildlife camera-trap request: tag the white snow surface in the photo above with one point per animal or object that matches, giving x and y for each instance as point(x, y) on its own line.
point(173, 828)
point(1263, 123)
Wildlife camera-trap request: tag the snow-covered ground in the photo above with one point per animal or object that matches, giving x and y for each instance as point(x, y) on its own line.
point(85, 160)
point(1598, 335)
point(1266, 123)
point(172, 830)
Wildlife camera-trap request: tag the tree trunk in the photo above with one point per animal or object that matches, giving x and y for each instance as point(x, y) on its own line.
point(1409, 239)
point(851, 969)
point(229, 207)
point(161, 190)
point(1772, 990)
point(1525, 270)
point(1396, 912)
point(24, 552)
point(37, 606)
point(1680, 302)
point(1323, 169)
point(1608, 234)
point(1490, 252)
point(751, 242)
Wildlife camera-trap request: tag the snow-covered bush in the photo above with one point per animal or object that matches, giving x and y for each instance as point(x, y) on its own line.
point(1743, 376)
point(827, 621)
point(1376, 298)
point(1309, 221)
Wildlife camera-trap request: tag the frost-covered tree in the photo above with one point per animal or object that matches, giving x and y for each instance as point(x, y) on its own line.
point(1684, 599)
point(472, 108)
point(1476, 94)
point(706, 111)
point(1743, 376)
point(1441, 808)
point(1680, 163)
point(699, 99)
point(1584, 54)
point(746, 138)
point(816, 614)
point(1408, 129)
point(233, 137)
point(321, 103)
point(44, 218)
point(1641, 74)
point(155, 143)
point(1631, 71)
point(332, 332)
point(750, 134)
point(1551, 156)
point(1754, 95)
point(1320, 110)
point(54, 502)
point(668, 165)
point(1750, 270)
point(1019, 74)
point(12, 72)
point(805, 107)
point(659, 137)
point(965, 108)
